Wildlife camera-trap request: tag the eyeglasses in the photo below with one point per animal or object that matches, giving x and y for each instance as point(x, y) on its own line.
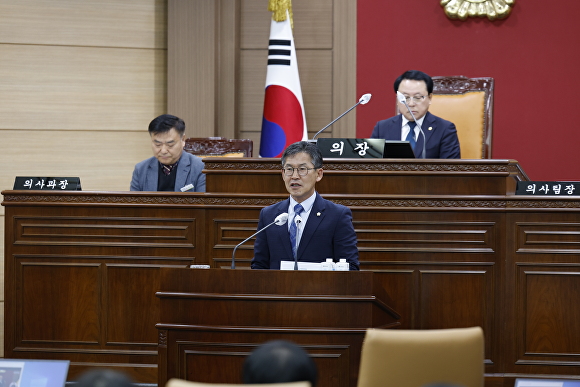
point(416, 98)
point(302, 171)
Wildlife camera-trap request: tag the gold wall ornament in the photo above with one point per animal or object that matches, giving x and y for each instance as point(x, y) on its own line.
point(493, 9)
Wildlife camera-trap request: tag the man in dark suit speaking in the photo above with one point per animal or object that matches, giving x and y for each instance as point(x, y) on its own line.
point(441, 140)
point(325, 230)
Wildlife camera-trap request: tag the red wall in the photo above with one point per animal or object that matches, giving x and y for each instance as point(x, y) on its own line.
point(534, 56)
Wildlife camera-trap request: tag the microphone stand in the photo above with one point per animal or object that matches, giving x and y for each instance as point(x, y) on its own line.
point(253, 235)
point(361, 100)
point(298, 221)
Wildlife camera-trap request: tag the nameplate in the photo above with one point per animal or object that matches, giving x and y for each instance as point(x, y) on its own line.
point(545, 188)
point(351, 148)
point(547, 383)
point(47, 183)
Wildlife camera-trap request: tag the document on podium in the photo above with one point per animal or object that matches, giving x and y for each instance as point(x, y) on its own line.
point(289, 265)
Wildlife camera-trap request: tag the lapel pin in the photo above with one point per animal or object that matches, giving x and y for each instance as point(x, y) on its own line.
point(318, 214)
point(430, 128)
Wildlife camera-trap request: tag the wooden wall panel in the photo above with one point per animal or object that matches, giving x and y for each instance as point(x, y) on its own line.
point(426, 236)
point(548, 237)
point(543, 282)
point(104, 160)
point(344, 34)
point(228, 231)
point(101, 231)
point(80, 88)
point(464, 291)
point(400, 284)
point(198, 357)
point(191, 64)
point(107, 23)
point(551, 320)
point(69, 298)
point(122, 295)
point(2, 220)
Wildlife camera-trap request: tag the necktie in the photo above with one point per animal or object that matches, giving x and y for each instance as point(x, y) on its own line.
point(293, 229)
point(168, 168)
point(411, 135)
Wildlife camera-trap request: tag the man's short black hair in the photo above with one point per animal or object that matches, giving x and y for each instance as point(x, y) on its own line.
point(165, 122)
point(307, 147)
point(104, 378)
point(415, 75)
point(279, 361)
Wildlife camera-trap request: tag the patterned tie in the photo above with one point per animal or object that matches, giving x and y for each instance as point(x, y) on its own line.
point(293, 229)
point(411, 135)
point(168, 168)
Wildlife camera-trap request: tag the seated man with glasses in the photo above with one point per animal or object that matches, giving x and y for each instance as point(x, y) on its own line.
point(325, 229)
point(440, 136)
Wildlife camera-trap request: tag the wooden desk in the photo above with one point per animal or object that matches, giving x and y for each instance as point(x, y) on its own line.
point(82, 268)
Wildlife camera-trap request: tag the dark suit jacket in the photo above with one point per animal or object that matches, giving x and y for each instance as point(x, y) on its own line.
point(441, 136)
point(146, 174)
point(329, 233)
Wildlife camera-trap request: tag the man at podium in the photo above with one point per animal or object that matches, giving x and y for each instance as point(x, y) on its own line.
point(317, 228)
point(427, 133)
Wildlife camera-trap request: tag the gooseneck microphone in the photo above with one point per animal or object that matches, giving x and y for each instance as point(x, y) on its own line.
point(279, 221)
point(362, 101)
point(297, 220)
point(401, 97)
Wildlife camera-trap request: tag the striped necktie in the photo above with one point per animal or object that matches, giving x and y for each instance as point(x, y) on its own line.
point(293, 229)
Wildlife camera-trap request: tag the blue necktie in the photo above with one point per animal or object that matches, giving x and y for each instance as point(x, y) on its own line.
point(411, 135)
point(293, 229)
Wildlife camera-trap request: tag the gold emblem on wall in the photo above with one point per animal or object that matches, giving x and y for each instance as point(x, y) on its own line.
point(493, 9)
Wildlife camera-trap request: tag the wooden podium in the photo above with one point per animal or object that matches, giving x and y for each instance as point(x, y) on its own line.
point(211, 319)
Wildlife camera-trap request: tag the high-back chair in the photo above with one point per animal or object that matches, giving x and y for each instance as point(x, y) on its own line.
point(219, 147)
point(468, 103)
point(186, 383)
point(417, 358)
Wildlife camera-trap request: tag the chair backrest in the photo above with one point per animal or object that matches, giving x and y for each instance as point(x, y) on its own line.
point(186, 383)
point(468, 103)
point(219, 147)
point(416, 358)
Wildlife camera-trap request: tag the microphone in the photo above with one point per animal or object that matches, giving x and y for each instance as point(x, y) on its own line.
point(297, 221)
point(279, 221)
point(362, 101)
point(403, 100)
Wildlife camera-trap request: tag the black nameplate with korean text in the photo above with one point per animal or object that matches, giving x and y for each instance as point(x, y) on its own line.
point(547, 188)
point(47, 183)
point(351, 148)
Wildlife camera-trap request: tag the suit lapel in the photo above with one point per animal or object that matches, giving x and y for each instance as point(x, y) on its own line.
point(316, 216)
point(429, 122)
point(395, 135)
point(183, 167)
point(281, 232)
point(152, 176)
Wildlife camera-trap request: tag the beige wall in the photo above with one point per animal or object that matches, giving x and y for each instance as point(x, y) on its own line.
point(79, 82)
